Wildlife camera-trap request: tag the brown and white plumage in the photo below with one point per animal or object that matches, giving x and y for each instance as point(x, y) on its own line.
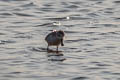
point(55, 38)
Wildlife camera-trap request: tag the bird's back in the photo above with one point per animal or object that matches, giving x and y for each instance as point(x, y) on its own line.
point(52, 39)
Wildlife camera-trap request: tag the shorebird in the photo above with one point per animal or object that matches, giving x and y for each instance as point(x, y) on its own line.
point(55, 38)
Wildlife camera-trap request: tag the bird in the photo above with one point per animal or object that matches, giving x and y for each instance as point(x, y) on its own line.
point(55, 38)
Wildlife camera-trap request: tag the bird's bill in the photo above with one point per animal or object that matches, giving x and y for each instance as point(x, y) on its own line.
point(62, 42)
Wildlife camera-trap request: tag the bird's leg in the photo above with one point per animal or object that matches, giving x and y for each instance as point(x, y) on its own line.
point(48, 47)
point(62, 42)
point(57, 48)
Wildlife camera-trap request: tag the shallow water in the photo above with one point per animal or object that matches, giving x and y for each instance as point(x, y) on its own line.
point(92, 42)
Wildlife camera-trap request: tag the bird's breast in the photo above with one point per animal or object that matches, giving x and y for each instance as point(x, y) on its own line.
point(53, 40)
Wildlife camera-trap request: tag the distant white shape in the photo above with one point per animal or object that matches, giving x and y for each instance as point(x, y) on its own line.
point(67, 17)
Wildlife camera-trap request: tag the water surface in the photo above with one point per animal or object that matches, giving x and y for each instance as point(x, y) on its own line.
point(92, 42)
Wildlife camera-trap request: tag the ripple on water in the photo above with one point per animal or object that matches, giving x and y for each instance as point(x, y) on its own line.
point(44, 24)
point(109, 33)
point(92, 27)
point(7, 41)
point(110, 47)
point(6, 14)
point(72, 6)
point(110, 73)
point(31, 4)
point(12, 0)
point(9, 76)
point(103, 65)
point(76, 2)
point(114, 32)
point(37, 49)
point(46, 9)
point(57, 19)
point(93, 15)
point(109, 25)
point(96, 0)
point(84, 10)
point(80, 78)
point(116, 73)
point(109, 12)
point(23, 36)
point(24, 14)
point(117, 2)
point(63, 10)
point(79, 18)
point(105, 72)
point(18, 22)
point(117, 18)
point(71, 31)
point(95, 68)
point(2, 33)
point(77, 40)
point(90, 33)
point(15, 72)
point(49, 4)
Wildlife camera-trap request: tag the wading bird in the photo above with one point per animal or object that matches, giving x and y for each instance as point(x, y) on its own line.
point(55, 38)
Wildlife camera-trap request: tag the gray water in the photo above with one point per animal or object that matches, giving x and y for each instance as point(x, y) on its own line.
point(92, 41)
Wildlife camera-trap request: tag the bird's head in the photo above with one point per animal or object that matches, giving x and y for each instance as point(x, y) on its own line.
point(60, 34)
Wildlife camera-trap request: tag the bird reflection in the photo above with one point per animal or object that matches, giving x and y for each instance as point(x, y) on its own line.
point(55, 55)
